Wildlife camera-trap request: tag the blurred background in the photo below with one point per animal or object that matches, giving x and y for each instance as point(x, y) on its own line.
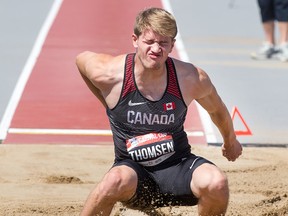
point(217, 36)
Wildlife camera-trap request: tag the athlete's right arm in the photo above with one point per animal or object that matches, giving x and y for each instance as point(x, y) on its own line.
point(92, 67)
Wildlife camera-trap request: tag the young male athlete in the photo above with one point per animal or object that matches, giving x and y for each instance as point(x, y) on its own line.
point(146, 95)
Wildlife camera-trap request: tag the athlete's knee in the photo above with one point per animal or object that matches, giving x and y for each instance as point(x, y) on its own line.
point(219, 185)
point(212, 188)
point(118, 184)
point(209, 180)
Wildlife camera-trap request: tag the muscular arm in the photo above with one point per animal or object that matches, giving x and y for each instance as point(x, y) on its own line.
point(213, 104)
point(219, 114)
point(103, 75)
point(90, 66)
point(94, 90)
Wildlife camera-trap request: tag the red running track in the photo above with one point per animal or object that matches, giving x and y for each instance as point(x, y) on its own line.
point(55, 96)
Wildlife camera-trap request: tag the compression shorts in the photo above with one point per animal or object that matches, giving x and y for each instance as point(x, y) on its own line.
point(161, 187)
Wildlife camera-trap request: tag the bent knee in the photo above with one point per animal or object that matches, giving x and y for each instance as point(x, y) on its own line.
point(119, 183)
point(209, 179)
point(219, 184)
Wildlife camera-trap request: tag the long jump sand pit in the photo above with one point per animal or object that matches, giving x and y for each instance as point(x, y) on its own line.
point(56, 179)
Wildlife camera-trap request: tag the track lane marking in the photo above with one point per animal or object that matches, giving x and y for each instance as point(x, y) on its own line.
point(25, 74)
point(91, 132)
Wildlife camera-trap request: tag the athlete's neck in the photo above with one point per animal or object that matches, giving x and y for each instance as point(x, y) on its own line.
point(151, 83)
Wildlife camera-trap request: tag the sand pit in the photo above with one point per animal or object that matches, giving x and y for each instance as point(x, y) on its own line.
point(56, 179)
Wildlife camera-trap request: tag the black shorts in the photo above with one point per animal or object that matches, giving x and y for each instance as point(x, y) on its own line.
point(273, 10)
point(168, 186)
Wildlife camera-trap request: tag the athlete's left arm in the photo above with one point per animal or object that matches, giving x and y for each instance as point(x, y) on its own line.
point(210, 100)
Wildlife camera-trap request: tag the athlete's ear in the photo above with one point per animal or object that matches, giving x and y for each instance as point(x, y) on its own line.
point(135, 40)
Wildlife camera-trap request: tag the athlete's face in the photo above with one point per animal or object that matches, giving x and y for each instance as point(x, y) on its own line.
point(152, 48)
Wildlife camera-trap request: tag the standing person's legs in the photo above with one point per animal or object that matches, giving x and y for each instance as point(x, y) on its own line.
point(281, 14)
point(281, 10)
point(267, 50)
point(210, 185)
point(283, 29)
point(269, 32)
point(268, 17)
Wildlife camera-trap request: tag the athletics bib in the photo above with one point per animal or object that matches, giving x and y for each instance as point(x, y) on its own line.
point(150, 149)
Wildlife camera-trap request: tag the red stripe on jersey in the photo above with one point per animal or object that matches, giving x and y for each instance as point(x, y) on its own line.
point(129, 85)
point(173, 87)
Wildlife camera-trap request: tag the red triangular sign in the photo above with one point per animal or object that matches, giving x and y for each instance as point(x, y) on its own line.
point(247, 131)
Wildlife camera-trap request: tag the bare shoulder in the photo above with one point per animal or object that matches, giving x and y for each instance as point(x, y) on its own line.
point(98, 66)
point(194, 81)
point(91, 60)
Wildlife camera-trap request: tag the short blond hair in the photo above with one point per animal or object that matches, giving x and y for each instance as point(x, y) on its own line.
point(158, 20)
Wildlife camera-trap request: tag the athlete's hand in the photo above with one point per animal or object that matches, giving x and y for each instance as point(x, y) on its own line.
point(232, 150)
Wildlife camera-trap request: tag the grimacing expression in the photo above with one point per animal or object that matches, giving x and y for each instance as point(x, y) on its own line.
point(152, 48)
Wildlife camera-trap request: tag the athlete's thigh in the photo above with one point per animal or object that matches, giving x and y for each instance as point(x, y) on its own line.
point(125, 173)
point(121, 180)
point(176, 179)
point(127, 170)
point(146, 190)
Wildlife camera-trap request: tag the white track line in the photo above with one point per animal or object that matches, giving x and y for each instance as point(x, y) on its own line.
point(205, 119)
point(60, 131)
point(87, 132)
point(19, 88)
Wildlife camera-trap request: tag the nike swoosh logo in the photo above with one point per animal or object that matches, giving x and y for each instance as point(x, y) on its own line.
point(130, 103)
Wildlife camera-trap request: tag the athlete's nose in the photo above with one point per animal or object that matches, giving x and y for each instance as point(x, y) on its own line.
point(156, 48)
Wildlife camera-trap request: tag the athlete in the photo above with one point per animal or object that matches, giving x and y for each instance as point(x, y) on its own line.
point(146, 95)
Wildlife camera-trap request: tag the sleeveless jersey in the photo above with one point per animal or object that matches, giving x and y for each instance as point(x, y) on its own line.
point(149, 132)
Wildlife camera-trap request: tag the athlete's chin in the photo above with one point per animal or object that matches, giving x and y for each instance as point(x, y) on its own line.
point(155, 63)
point(154, 66)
